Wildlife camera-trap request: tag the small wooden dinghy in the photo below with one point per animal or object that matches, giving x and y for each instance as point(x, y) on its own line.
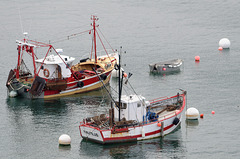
point(166, 66)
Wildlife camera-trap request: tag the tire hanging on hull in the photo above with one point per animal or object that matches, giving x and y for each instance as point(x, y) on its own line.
point(80, 84)
point(103, 76)
point(176, 121)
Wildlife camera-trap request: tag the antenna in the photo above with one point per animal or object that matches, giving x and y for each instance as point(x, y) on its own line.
point(25, 35)
point(20, 19)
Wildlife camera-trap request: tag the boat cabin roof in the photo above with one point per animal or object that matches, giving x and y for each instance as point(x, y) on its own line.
point(131, 98)
point(55, 59)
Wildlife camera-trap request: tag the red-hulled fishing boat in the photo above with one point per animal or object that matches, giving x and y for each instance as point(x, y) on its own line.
point(55, 75)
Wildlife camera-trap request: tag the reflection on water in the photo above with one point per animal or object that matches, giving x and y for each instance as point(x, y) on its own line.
point(170, 145)
point(29, 117)
point(191, 123)
point(38, 106)
point(225, 51)
point(91, 149)
point(163, 74)
point(59, 105)
point(64, 148)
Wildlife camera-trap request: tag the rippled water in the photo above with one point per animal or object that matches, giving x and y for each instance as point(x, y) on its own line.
point(150, 31)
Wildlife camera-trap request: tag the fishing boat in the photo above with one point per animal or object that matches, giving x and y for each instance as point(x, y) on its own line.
point(55, 75)
point(166, 66)
point(132, 118)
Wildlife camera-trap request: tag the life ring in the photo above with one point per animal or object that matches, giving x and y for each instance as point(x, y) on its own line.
point(46, 72)
point(116, 67)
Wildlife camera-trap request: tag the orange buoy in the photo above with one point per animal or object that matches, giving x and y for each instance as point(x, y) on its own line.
point(197, 58)
point(201, 115)
point(125, 75)
point(159, 124)
point(213, 112)
point(220, 48)
point(164, 69)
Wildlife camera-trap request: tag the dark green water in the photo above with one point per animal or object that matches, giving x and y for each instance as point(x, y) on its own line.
point(150, 31)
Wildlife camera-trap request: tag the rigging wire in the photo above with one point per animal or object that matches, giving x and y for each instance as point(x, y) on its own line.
point(126, 90)
point(65, 32)
point(132, 88)
point(103, 45)
point(135, 92)
point(30, 27)
point(69, 36)
point(106, 39)
point(103, 97)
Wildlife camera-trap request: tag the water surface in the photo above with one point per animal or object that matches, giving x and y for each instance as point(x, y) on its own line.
point(150, 31)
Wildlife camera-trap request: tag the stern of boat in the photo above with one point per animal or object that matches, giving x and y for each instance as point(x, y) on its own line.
point(90, 133)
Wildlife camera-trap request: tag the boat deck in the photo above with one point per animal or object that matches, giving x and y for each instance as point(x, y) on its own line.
point(166, 114)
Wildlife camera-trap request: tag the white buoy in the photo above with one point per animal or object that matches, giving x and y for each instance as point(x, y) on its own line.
point(115, 72)
point(192, 113)
point(224, 43)
point(64, 139)
point(13, 94)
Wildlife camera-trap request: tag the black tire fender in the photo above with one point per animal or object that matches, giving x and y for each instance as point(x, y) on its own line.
point(103, 76)
point(176, 121)
point(80, 84)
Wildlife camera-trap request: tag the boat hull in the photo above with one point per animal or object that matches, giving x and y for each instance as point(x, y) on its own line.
point(166, 67)
point(147, 131)
point(73, 87)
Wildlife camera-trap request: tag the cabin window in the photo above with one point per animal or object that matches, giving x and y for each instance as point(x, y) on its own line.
point(123, 105)
point(139, 105)
point(65, 59)
point(42, 67)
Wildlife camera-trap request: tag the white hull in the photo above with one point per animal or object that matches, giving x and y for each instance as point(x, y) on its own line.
point(147, 131)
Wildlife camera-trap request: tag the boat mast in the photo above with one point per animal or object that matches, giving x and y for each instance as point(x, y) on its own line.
point(94, 18)
point(30, 50)
point(33, 58)
point(19, 58)
point(120, 81)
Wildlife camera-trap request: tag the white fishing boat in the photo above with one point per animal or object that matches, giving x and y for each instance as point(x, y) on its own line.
point(133, 118)
point(166, 66)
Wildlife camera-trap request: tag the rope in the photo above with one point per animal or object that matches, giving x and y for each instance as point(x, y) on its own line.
point(103, 45)
point(70, 36)
point(63, 33)
point(106, 39)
